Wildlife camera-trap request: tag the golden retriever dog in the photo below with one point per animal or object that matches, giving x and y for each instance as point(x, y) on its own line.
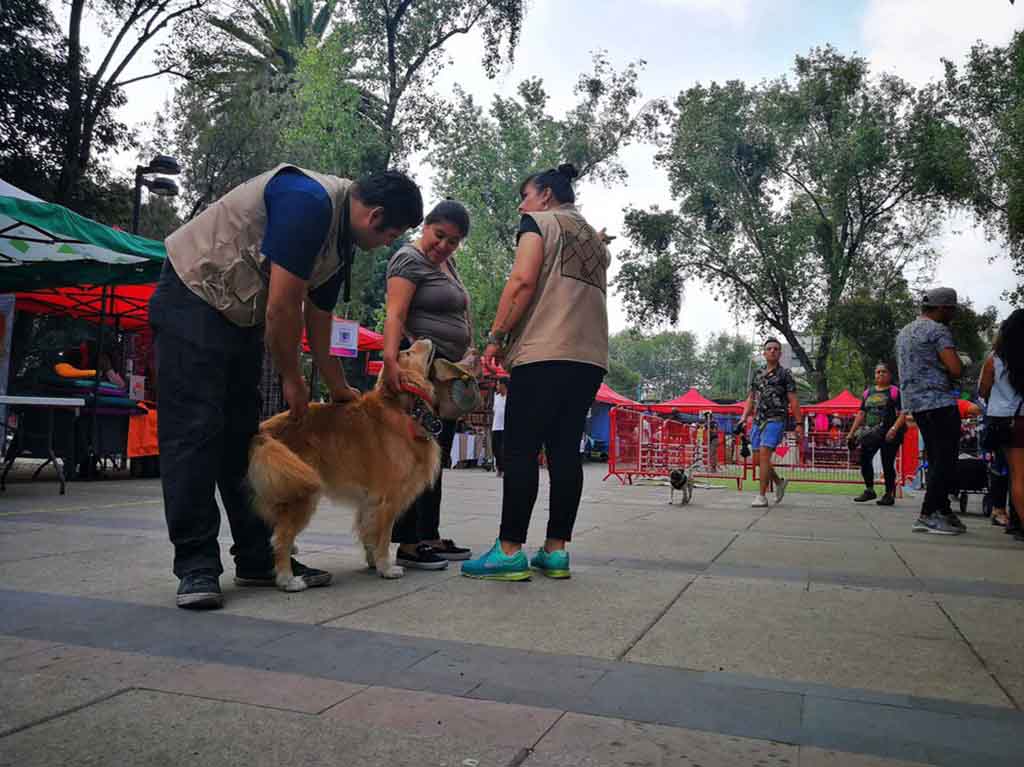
point(374, 452)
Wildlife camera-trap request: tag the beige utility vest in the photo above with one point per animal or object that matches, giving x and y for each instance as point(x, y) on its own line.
point(567, 319)
point(218, 254)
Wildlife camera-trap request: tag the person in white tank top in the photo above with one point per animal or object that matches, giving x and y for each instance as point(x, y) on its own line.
point(1002, 386)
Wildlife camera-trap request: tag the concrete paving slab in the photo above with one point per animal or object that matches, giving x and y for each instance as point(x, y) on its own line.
point(841, 637)
point(43, 684)
point(13, 647)
point(143, 728)
point(963, 562)
point(271, 689)
point(596, 613)
point(875, 558)
point(48, 542)
point(429, 715)
point(817, 757)
point(589, 741)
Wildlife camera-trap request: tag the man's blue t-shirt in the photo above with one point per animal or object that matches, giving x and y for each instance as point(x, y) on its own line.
point(298, 220)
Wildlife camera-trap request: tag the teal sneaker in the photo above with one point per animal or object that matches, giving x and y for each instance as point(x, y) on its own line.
point(553, 564)
point(495, 565)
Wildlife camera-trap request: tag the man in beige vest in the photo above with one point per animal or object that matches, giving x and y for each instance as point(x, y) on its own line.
point(265, 260)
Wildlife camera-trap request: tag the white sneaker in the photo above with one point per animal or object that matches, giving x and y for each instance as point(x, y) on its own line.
point(780, 489)
point(759, 502)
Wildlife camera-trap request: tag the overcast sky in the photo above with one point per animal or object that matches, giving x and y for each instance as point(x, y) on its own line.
point(688, 41)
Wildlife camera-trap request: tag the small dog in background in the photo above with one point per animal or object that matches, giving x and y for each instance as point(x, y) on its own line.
point(678, 480)
point(374, 452)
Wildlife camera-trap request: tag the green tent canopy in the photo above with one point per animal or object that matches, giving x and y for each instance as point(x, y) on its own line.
point(44, 245)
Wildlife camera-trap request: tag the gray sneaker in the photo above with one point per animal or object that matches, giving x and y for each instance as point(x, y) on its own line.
point(780, 489)
point(940, 524)
point(921, 525)
point(956, 522)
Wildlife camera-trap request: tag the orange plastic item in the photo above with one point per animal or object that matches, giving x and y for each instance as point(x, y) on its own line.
point(142, 440)
point(67, 370)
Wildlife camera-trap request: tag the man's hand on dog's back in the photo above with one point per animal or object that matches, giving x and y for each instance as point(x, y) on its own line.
point(345, 394)
point(296, 394)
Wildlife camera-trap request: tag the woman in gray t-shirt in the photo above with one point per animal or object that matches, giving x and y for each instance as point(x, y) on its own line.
point(426, 299)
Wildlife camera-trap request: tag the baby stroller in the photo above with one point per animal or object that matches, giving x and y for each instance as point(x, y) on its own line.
point(972, 469)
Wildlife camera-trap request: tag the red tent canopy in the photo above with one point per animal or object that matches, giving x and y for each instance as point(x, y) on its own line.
point(843, 403)
point(608, 396)
point(128, 305)
point(695, 402)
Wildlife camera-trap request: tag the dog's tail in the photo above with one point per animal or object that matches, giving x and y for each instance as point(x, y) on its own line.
point(277, 476)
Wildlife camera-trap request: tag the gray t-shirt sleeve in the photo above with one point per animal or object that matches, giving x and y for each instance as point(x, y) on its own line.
point(943, 339)
point(408, 266)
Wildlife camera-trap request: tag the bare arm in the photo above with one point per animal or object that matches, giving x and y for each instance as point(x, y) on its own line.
point(522, 283)
point(284, 334)
point(988, 378)
point(948, 357)
point(318, 331)
point(794, 404)
point(400, 293)
point(858, 420)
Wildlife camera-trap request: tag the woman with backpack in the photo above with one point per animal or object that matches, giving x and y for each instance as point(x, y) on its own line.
point(878, 427)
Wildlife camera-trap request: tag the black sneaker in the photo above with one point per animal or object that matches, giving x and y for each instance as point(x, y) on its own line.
point(310, 575)
point(425, 558)
point(867, 495)
point(886, 500)
point(200, 591)
point(448, 550)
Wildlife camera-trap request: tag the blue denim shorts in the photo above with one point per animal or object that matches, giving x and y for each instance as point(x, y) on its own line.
point(769, 435)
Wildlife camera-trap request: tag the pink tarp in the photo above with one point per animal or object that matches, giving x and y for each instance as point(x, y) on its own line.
point(695, 402)
point(608, 396)
point(843, 403)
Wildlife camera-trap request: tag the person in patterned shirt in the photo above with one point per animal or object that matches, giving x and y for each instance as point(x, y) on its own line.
point(772, 394)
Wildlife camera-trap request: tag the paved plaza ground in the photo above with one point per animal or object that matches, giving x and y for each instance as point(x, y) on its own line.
point(814, 633)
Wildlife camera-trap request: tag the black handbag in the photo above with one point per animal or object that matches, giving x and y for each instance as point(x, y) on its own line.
point(872, 439)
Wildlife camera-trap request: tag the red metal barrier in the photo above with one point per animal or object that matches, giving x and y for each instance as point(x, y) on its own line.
point(652, 446)
point(821, 459)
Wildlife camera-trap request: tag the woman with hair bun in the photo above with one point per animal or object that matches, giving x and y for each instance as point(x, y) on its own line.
point(551, 330)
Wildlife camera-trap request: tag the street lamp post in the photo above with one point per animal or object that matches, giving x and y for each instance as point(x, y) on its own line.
point(161, 186)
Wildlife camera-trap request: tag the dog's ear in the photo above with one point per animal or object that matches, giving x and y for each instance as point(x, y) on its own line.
point(421, 354)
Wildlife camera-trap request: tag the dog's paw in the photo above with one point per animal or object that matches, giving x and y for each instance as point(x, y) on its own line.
point(291, 583)
point(371, 559)
point(391, 572)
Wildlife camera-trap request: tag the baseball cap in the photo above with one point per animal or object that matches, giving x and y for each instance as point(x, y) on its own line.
point(937, 297)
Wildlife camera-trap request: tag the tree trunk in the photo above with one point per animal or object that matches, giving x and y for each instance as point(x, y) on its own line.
point(71, 170)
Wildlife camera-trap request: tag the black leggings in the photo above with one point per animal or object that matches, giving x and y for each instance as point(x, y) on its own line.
point(547, 406)
point(422, 520)
point(867, 469)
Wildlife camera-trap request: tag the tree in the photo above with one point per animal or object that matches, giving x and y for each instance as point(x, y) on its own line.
point(481, 159)
point(621, 379)
point(34, 92)
point(788, 191)
point(870, 319)
point(987, 99)
point(726, 365)
point(90, 95)
point(668, 363)
point(399, 45)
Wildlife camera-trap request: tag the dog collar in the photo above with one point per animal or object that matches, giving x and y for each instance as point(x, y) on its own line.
point(422, 413)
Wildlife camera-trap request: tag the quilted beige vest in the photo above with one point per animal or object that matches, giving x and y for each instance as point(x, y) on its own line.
point(567, 319)
point(218, 253)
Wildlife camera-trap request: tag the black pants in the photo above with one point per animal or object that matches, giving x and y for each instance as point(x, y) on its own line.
point(940, 429)
point(547, 406)
point(498, 448)
point(867, 469)
point(422, 520)
point(209, 404)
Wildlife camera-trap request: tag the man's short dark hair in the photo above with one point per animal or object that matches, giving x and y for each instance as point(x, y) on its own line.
point(771, 340)
point(396, 193)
